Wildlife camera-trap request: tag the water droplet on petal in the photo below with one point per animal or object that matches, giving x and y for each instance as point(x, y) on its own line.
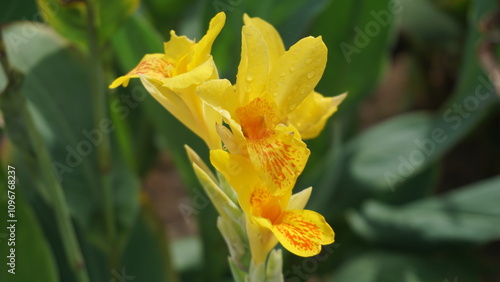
point(310, 74)
point(249, 78)
point(291, 69)
point(308, 61)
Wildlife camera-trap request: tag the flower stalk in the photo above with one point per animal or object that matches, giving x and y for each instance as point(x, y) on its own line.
point(99, 103)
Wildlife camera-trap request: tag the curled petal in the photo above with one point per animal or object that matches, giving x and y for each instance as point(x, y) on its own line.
point(196, 76)
point(178, 46)
point(154, 66)
point(311, 115)
point(202, 49)
point(302, 232)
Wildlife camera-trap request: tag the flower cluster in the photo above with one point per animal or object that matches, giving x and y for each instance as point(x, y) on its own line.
point(255, 128)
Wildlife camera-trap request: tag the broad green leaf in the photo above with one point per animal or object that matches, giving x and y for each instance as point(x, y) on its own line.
point(378, 266)
point(436, 28)
point(55, 100)
point(389, 153)
point(468, 215)
point(60, 102)
point(22, 243)
point(70, 19)
point(389, 157)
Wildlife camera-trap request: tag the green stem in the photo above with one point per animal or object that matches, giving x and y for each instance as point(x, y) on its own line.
point(99, 103)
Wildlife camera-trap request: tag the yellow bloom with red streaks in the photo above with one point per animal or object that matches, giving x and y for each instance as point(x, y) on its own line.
point(172, 77)
point(272, 104)
point(271, 218)
point(310, 116)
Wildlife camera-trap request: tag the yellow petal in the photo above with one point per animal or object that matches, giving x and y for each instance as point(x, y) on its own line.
point(173, 103)
point(275, 45)
point(154, 66)
point(196, 76)
point(279, 158)
point(302, 232)
point(299, 200)
point(219, 93)
point(260, 202)
point(297, 72)
point(311, 115)
point(254, 65)
point(261, 239)
point(202, 49)
point(237, 170)
point(177, 47)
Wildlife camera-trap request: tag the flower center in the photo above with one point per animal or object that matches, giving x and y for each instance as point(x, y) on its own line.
point(271, 210)
point(257, 119)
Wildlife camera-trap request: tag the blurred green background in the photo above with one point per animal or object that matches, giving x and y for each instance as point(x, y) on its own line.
point(407, 172)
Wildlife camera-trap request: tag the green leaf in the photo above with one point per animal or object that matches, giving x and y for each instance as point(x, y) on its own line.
point(397, 150)
point(70, 19)
point(33, 258)
point(378, 266)
point(390, 152)
point(436, 27)
point(468, 215)
point(58, 102)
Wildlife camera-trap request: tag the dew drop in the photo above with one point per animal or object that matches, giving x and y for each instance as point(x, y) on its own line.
point(291, 69)
point(308, 61)
point(310, 74)
point(249, 78)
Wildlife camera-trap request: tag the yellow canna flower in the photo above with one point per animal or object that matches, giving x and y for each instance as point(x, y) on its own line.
point(171, 78)
point(273, 104)
point(272, 218)
point(310, 116)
